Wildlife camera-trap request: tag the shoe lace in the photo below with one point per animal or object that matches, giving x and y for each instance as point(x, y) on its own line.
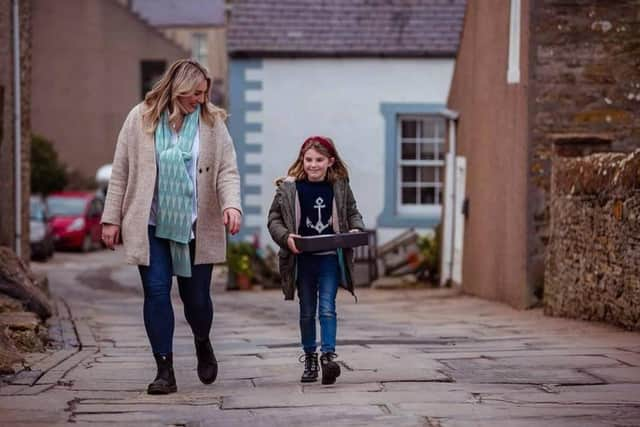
point(310, 361)
point(329, 356)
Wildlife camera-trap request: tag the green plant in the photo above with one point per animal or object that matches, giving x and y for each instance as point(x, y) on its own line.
point(239, 258)
point(429, 246)
point(48, 174)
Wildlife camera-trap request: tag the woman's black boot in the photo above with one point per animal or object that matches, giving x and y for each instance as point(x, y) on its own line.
point(165, 381)
point(330, 369)
point(310, 373)
point(207, 363)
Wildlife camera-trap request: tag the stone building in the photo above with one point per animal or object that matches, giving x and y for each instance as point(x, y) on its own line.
point(535, 80)
point(7, 127)
point(199, 26)
point(93, 60)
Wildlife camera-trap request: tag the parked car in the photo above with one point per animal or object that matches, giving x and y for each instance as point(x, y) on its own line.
point(75, 217)
point(40, 230)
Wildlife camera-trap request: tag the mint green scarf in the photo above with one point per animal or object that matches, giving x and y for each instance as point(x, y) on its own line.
point(175, 189)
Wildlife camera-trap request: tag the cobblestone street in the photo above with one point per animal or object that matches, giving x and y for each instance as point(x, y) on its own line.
point(409, 358)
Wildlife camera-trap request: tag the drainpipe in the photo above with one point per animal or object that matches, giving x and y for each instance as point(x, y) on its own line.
point(448, 234)
point(17, 126)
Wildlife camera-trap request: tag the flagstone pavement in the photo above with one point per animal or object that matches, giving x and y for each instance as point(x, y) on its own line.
point(410, 357)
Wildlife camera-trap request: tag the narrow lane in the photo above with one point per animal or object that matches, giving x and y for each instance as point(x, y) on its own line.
point(409, 358)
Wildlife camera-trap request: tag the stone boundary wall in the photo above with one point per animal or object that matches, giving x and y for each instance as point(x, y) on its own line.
point(592, 267)
point(584, 79)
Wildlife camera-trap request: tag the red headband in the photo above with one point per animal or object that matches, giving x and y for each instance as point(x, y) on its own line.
point(320, 140)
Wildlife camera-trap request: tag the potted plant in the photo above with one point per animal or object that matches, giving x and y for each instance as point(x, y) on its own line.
point(239, 262)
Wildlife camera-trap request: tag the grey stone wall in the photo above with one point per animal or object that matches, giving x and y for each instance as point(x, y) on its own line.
point(585, 81)
point(593, 257)
point(7, 155)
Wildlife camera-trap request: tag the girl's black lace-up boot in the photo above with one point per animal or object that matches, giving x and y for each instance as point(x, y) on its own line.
point(330, 369)
point(165, 381)
point(310, 373)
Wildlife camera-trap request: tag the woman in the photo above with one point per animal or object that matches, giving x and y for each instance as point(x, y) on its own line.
point(174, 187)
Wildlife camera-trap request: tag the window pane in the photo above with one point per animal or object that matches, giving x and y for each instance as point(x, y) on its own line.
point(199, 47)
point(409, 128)
point(441, 151)
point(409, 174)
point(428, 174)
point(408, 151)
point(439, 129)
point(151, 71)
point(428, 128)
point(427, 151)
point(427, 195)
point(409, 195)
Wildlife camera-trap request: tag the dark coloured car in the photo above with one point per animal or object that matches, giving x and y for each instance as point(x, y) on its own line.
point(40, 230)
point(75, 217)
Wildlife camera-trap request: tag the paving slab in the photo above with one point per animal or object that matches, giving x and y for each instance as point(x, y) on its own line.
point(618, 374)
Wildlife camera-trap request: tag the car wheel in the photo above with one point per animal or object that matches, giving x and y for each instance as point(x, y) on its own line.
point(86, 243)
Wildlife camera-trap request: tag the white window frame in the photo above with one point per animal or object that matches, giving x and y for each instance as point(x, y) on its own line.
point(419, 209)
point(200, 48)
point(513, 70)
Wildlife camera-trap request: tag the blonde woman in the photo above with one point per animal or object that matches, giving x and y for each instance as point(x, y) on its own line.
point(174, 187)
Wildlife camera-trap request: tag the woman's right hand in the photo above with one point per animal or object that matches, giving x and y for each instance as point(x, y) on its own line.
point(292, 244)
point(110, 234)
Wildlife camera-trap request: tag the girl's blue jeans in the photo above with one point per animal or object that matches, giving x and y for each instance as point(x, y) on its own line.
point(317, 288)
point(194, 292)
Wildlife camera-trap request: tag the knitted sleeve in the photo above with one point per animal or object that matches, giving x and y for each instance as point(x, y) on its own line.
point(112, 213)
point(228, 180)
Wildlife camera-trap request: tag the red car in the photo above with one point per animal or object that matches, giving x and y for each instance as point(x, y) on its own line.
point(75, 218)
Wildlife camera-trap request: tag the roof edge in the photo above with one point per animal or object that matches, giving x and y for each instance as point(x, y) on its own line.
point(245, 54)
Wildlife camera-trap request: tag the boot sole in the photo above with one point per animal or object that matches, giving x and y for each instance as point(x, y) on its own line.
point(309, 380)
point(168, 390)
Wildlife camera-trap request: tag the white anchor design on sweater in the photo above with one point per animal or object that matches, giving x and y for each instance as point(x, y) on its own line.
point(318, 226)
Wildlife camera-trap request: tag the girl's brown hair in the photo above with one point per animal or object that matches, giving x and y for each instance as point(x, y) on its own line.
point(180, 79)
point(326, 147)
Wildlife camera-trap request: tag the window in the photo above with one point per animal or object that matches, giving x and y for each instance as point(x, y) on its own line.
point(414, 164)
point(421, 162)
point(199, 49)
point(150, 72)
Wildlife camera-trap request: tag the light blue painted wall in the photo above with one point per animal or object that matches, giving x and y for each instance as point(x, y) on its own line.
point(238, 128)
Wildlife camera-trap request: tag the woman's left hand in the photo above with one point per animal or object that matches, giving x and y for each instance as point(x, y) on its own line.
point(232, 220)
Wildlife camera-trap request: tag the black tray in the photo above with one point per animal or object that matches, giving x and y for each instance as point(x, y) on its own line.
point(328, 242)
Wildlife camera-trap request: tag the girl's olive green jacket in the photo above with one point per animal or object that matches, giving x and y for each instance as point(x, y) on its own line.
point(284, 219)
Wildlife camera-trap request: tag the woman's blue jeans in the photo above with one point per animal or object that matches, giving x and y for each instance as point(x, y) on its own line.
point(194, 292)
point(318, 283)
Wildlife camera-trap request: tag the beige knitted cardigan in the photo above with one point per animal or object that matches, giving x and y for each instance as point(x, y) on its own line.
point(132, 183)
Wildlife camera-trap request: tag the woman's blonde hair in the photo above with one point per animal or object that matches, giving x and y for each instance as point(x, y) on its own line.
point(180, 79)
point(326, 147)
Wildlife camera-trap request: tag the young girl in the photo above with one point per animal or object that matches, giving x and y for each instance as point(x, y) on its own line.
point(315, 199)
